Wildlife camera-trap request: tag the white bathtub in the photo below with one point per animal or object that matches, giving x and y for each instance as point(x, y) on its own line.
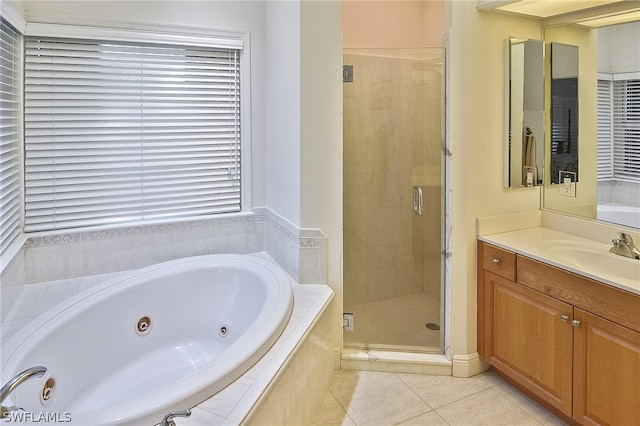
point(620, 214)
point(211, 318)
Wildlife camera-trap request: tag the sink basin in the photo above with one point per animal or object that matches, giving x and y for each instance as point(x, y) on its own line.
point(594, 259)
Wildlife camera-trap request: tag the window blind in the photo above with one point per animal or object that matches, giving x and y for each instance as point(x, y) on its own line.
point(605, 130)
point(10, 124)
point(119, 132)
point(626, 128)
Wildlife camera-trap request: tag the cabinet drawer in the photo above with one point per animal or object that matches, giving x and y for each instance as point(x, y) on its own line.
point(601, 299)
point(500, 262)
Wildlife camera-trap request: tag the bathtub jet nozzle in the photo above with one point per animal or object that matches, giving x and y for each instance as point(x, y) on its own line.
point(15, 382)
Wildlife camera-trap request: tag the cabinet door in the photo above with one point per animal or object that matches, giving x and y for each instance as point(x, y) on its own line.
point(531, 340)
point(606, 372)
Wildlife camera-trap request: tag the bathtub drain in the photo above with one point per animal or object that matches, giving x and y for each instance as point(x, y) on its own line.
point(223, 331)
point(143, 326)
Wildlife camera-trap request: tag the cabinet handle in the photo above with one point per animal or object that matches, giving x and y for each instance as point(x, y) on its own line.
point(564, 318)
point(417, 200)
point(575, 323)
point(496, 261)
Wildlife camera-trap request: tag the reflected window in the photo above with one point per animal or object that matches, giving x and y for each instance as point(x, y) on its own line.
point(618, 128)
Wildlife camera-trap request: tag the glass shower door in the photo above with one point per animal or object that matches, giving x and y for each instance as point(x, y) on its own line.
point(393, 199)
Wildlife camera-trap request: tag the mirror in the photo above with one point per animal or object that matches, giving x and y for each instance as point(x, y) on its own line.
point(525, 113)
point(564, 112)
point(608, 124)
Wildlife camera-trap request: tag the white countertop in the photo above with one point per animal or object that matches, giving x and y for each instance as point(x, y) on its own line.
point(538, 243)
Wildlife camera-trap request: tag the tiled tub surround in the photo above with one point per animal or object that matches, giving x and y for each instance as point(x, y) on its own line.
point(66, 255)
point(265, 394)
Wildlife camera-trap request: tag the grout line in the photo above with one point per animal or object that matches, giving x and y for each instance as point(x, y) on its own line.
point(499, 393)
point(343, 408)
point(416, 393)
point(419, 397)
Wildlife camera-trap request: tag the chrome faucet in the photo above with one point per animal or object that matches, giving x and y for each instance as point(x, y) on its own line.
point(624, 246)
point(168, 419)
point(15, 382)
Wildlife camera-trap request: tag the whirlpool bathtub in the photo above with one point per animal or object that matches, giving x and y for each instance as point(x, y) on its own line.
point(161, 338)
point(620, 214)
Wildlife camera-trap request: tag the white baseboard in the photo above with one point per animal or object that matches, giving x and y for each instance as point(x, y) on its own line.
point(468, 365)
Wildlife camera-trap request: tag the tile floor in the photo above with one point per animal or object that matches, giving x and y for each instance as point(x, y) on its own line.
point(399, 322)
point(374, 398)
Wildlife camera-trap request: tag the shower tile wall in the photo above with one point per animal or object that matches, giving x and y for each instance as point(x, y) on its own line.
point(391, 143)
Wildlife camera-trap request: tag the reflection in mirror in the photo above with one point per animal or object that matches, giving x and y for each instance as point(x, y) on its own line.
point(619, 124)
point(609, 92)
point(564, 112)
point(525, 121)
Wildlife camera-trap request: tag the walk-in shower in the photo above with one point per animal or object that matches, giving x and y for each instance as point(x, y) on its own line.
point(393, 199)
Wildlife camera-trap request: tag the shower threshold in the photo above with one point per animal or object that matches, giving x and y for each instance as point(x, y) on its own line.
point(395, 361)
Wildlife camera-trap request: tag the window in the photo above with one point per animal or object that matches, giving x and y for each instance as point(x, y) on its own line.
point(605, 130)
point(122, 133)
point(619, 129)
point(10, 124)
point(626, 129)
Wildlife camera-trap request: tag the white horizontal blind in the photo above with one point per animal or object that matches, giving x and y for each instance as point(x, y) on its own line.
point(10, 149)
point(126, 132)
point(605, 130)
point(626, 127)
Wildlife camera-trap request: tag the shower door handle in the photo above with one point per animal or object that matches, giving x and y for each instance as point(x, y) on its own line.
point(417, 200)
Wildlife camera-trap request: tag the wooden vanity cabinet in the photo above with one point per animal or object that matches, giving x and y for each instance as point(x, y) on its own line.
point(606, 373)
point(558, 337)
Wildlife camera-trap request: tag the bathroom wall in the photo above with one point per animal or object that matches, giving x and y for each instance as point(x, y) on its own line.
point(477, 102)
point(305, 141)
point(282, 108)
point(393, 24)
point(621, 44)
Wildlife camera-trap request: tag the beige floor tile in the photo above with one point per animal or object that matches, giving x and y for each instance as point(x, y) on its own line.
point(332, 413)
point(488, 407)
point(428, 419)
point(528, 405)
point(442, 390)
point(374, 398)
point(490, 378)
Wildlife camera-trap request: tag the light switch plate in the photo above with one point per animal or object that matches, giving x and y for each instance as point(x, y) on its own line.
point(567, 184)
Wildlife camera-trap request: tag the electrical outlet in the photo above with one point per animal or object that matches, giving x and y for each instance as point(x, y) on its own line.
point(529, 181)
point(567, 184)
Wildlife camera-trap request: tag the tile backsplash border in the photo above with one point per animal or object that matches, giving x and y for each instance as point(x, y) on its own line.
point(132, 231)
point(302, 252)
